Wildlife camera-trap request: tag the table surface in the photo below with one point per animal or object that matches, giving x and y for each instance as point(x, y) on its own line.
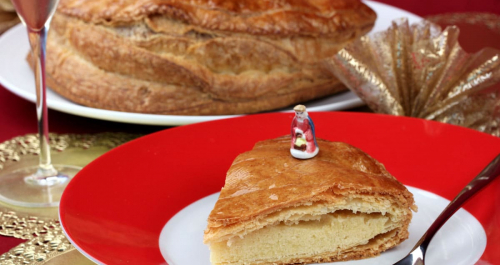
point(18, 117)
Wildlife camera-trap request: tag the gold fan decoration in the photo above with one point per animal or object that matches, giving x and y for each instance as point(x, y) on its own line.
point(421, 71)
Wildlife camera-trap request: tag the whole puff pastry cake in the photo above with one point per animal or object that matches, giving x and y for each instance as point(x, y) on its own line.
point(275, 209)
point(199, 57)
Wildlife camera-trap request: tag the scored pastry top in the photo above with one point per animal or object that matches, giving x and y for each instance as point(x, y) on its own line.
point(260, 17)
point(268, 178)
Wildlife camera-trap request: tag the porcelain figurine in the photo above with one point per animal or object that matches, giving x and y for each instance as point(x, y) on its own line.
point(303, 145)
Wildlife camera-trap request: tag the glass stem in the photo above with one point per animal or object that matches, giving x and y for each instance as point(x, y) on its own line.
point(38, 41)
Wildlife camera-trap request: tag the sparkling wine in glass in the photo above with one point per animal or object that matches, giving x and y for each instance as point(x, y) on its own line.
point(42, 185)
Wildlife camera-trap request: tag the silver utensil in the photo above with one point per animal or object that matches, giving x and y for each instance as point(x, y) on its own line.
point(417, 254)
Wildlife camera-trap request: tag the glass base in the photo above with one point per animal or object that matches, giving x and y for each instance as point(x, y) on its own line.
point(32, 187)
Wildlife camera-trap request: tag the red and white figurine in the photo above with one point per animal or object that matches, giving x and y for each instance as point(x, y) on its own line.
point(304, 145)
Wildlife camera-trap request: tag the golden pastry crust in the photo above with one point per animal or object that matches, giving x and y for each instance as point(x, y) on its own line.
point(338, 169)
point(181, 57)
point(134, 86)
point(297, 17)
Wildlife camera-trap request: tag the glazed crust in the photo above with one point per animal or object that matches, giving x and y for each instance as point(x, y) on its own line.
point(199, 57)
point(270, 171)
point(288, 17)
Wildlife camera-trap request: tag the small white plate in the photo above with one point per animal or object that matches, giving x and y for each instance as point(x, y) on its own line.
point(461, 241)
point(17, 77)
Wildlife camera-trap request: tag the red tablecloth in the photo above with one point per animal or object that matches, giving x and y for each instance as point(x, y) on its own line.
point(17, 116)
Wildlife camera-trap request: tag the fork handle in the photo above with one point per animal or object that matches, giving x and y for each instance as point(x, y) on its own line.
point(486, 176)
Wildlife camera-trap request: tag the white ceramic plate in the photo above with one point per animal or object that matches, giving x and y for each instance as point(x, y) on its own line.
point(16, 76)
point(181, 236)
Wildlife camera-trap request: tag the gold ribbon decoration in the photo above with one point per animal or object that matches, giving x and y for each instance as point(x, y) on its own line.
point(421, 71)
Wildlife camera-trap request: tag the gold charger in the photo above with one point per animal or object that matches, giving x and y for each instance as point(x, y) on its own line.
point(46, 243)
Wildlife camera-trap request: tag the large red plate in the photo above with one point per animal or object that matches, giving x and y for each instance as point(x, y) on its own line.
point(115, 208)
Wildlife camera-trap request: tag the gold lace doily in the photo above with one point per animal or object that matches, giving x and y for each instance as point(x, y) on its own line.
point(46, 243)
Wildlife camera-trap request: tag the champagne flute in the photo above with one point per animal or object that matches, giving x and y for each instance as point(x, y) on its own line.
point(42, 185)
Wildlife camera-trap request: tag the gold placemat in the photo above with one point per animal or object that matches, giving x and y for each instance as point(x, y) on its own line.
point(46, 243)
